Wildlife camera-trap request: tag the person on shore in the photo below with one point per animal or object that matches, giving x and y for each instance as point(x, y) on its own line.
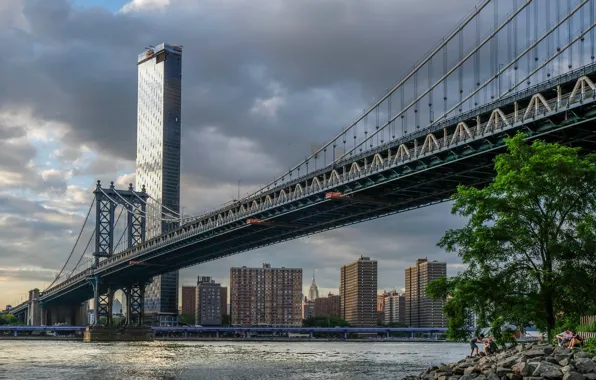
point(490, 347)
point(575, 339)
point(473, 346)
point(564, 338)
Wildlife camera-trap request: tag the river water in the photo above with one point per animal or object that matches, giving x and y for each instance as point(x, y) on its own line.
point(221, 360)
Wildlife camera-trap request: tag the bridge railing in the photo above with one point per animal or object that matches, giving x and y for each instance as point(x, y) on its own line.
point(330, 177)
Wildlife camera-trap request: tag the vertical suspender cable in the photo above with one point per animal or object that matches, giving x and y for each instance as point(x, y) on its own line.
point(495, 51)
point(417, 107)
point(476, 63)
point(581, 42)
point(430, 94)
point(592, 31)
point(549, 38)
point(509, 47)
point(570, 27)
point(515, 39)
point(461, 68)
point(529, 55)
point(403, 116)
point(445, 81)
point(536, 34)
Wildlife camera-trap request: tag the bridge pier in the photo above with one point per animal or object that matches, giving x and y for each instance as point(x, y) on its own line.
point(34, 312)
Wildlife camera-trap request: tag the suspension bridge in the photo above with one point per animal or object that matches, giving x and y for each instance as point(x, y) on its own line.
point(509, 66)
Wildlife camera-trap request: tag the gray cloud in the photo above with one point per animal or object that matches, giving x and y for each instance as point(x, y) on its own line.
point(262, 83)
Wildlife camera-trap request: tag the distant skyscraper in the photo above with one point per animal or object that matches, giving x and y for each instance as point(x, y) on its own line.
point(308, 308)
point(394, 307)
point(208, 309)
point(189, 300)
point(158, 158)
point(313, 292)
point(266, 296)
point(358, 292)
point(422, 311)
point(224, 300)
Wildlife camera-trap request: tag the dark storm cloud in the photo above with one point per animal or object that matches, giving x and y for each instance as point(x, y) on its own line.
point(77, 65)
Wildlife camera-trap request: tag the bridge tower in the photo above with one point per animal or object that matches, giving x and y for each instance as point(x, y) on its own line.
point(106, 201)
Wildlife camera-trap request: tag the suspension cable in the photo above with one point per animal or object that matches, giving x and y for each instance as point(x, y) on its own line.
point(159, 203)
point(569, 15)
point(81, 257)
point(75, 245)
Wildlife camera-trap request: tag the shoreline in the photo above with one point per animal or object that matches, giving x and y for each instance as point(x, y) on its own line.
point(259, 340)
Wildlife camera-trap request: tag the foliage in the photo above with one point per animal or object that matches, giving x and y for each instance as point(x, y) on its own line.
point(395, 325)
point(8, 319)
point(587, 328)
point(225, 320)
point(325, 322)
point(590, 345)
point(188, 319)
point(568, 321)
point(529, 242)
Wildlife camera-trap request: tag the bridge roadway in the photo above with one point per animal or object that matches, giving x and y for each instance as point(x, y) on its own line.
point(418, 170)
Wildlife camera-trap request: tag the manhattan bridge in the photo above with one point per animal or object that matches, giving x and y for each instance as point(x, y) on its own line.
point(509, 66)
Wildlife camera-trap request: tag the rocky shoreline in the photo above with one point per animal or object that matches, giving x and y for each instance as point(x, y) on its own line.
point(522, 362)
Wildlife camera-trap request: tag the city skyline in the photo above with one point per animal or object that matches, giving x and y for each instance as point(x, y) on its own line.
point(73, 122)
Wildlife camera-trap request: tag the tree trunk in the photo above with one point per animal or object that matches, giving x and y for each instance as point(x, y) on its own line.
point(550, 317)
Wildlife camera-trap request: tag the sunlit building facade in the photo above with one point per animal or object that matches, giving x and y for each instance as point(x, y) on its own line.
point(158, 159)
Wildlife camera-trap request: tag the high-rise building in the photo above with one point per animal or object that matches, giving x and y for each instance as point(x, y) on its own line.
point(422, 311)
point(158, 159)
point(328, 306)
point(224, 300)
point(313, 292)
point(358, 292)
point(208, 309)
point(266, 296)
point(308, 308)
point(394, 307)
point(189, 300)
point(381, 307)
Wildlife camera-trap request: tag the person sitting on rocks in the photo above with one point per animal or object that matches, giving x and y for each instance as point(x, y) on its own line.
point(564, 338)
point(490, 347)
point(575, 340)
point(473, 346)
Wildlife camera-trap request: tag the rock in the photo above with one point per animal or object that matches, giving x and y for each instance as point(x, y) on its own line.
point(582, 355)
point(454, 378)
point(585, 365)
point(564, 362)
point(534, 353)
point(515, 376)
point(509, 362)
point(491, 375)
point(469, 376)
point(573, 376)
point(470, 370)
point(545, 368)
point(501, 371)
point(561, 351)
point(590, 376)
point(567, 369)
point(523, 369)
point(551, 360)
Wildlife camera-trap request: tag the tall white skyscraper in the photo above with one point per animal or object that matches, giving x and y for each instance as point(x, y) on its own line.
point(313, 292)
point(158, 157)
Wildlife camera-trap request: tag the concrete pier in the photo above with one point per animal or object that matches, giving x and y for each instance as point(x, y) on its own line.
point(113, 334)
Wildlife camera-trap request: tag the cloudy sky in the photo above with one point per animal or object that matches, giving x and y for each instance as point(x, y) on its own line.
point(263, 80)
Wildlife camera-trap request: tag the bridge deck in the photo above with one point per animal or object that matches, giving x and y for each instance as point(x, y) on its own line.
point(406, 174)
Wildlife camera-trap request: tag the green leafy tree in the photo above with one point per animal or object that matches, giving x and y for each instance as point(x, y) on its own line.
point(529, 242)
point(225, 320)
point(187, 318)
point(325, 322)
point(8, 319)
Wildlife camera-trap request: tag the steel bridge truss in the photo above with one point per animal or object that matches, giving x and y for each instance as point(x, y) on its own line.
point(107, 199)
